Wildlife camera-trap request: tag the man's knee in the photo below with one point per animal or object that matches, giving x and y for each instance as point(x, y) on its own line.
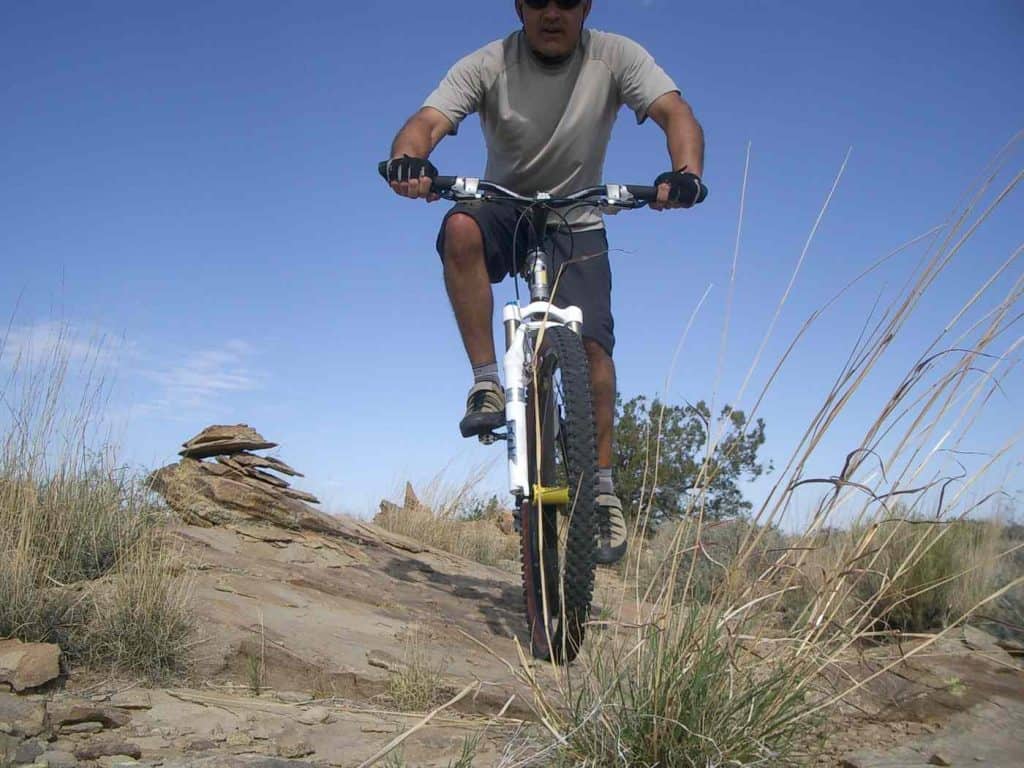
point(463, 240)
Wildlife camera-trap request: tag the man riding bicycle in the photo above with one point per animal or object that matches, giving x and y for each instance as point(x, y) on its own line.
point(547, 96)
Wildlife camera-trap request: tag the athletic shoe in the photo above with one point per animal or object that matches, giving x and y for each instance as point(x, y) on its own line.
point(485, 409)
point(611, 539)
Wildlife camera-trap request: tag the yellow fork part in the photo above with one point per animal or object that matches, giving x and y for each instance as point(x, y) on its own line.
point(552, 496)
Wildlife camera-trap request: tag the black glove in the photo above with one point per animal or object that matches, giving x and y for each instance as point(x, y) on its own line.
point(685, 188)
point(405, 168)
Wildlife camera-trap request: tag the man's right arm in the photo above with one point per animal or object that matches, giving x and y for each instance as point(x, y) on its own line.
point(418, 137)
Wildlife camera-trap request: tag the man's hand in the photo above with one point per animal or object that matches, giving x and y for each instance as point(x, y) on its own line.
point(679, 189)
point(410, 177)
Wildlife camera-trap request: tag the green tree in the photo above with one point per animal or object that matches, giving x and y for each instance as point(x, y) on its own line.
point(675, 438)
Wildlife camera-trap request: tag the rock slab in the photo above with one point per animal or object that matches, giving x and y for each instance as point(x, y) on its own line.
point(28, 665)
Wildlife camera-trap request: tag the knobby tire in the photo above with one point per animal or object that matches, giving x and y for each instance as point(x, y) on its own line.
point(559, 400)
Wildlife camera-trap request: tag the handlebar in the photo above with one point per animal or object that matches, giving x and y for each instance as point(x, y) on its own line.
point(610, 195)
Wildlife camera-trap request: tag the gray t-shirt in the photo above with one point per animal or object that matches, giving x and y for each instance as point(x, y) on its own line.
point(547, 127)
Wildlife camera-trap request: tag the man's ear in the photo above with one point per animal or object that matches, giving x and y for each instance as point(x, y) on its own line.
point(586, 9)
point(519, 10)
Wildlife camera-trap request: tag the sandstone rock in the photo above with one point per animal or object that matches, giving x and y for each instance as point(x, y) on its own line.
point(20, 716)
point(291, 745)
point(201, 745)
point(94, 750)
point(410, 501)
point(292, 697)
point(215, 469)
point(235, 761)
point(57, 759)
point(939, 759)
point(300, 495)
point(8, 748)
point(218, 440)
point(506, 522)
point(314, 716)
point(131, 699)
point(239, 739)
point(28, 665)
point(201, 498)
point(27, 752)
point(90, 726)
point(72, 711)
point(117, 761)
point(230, 463)
point(265, 462)
point(1016, 650)
point(265, 477)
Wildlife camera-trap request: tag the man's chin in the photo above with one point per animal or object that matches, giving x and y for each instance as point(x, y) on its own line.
point(551, 51)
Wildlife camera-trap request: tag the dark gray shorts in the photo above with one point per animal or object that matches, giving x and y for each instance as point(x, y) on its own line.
point(586, 281)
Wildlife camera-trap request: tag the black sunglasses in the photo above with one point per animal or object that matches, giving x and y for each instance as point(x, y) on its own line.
point(565, 5)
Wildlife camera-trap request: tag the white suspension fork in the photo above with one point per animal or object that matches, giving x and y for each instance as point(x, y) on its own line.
point(518, 333)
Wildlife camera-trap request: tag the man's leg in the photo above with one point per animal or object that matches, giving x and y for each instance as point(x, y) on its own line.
point(611, 544)
point(469, 287)
point(602, 385)
point(469, 290)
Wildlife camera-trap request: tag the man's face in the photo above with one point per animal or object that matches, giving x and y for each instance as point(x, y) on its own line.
point(552, 31)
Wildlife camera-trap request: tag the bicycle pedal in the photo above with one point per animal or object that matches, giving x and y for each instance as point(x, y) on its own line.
point(490, 438)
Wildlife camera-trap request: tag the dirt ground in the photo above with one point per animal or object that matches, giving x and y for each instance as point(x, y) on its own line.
point(318, 623)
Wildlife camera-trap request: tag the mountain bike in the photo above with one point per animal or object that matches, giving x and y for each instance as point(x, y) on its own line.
point(549, 420)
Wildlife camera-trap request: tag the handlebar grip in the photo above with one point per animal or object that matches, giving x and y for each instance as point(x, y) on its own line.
point(647, 194)
point(439, 184)
point(442, 183)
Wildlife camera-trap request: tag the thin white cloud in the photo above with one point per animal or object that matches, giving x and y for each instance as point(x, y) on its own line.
point(201, 378)
point(54, 341)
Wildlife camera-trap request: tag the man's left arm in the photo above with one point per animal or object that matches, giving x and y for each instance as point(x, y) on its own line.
point(685, 140)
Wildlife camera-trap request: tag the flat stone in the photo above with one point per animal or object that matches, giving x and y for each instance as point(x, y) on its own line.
point(131, 699)
point(239, 739)
point(28, 751)
point(218, 432)
point(215, 469)
point(28, 665)
point(265, 477)
point(223, 447)
point(230, 463)
point(57, 759)
point(293, 746)
point(201, 745)
point(97, 749)
point(219, 440)
point(90, 726)
point(266, 462)
point(20, 716)
point(300, 495)
point(9, 746)
point(72, 711)
point(235, 761)
point(939, 759)
point(314, 716)
point(116, 761)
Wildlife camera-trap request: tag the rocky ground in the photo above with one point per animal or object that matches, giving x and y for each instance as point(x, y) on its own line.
point(304, 619)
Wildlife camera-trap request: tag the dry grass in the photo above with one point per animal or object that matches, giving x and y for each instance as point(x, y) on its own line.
point(440, 520)
point(419, 683)
point(714, 672)
point(81, 561)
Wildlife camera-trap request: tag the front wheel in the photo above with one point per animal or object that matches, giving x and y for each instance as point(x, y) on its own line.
point(559, 517)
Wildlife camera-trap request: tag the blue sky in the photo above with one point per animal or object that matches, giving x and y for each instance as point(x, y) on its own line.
point(194, 184)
